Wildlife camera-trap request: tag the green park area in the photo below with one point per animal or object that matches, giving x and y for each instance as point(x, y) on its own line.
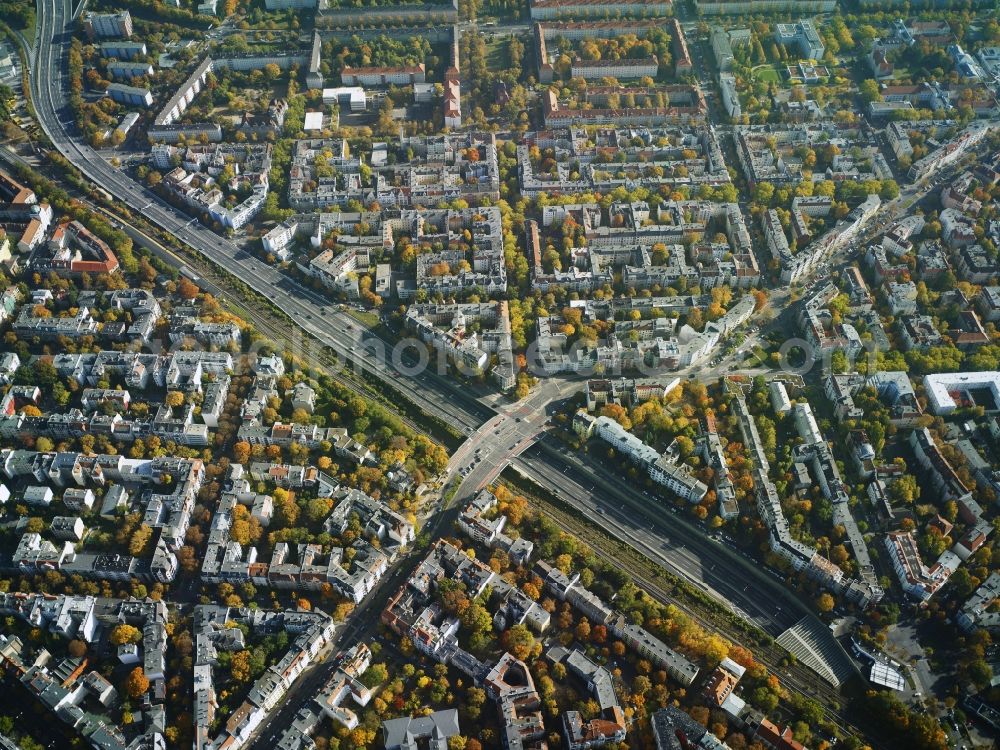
point(767, 74)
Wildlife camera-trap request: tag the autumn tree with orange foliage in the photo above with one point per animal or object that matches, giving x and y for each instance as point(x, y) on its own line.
point(136, 684)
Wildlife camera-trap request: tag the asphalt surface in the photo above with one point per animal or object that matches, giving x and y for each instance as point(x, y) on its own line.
point(313, 313)
point(665, 535)
point(488, 450)
point(509, 430)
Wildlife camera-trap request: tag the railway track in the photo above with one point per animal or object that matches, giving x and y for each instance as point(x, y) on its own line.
point(790, 675)
point(281, 332)
point(278, 332)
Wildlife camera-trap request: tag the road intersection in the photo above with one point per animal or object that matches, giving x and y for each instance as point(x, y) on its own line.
point(498, 433)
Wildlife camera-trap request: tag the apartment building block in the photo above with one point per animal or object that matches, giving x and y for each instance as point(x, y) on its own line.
point(677, 477)
point(108, 25)
point(387, 76)
point(135, 96)
point(624, 69)
point(762, 7)
point(803, 36)
point(543, 10)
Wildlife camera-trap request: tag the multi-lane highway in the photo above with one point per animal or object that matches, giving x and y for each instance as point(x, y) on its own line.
point(488, 450)
point(669, 538)
point(498, 433)
point(431, 391)
point(313, 313)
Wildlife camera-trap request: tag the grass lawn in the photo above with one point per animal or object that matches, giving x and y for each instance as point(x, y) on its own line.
point(767, 74)
point(368, 319)
point(496, 53)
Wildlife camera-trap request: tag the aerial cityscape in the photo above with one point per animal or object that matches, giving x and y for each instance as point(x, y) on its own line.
point(499, 374)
